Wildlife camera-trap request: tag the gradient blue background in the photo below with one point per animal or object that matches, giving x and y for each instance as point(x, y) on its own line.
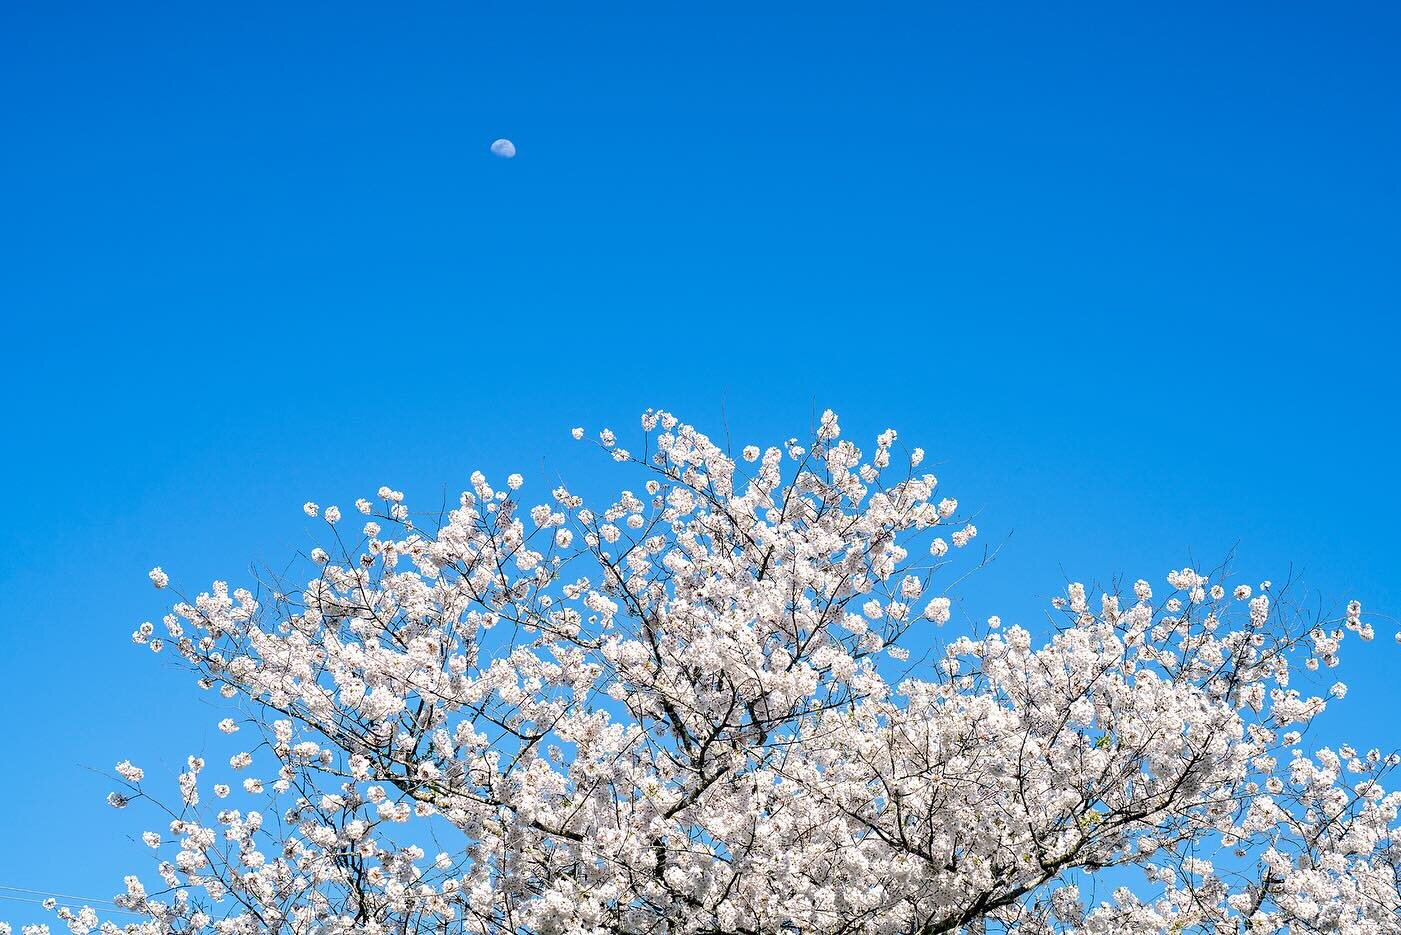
point(1129, 272)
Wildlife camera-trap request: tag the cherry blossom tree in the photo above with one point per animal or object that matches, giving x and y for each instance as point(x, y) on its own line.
point(693, 710)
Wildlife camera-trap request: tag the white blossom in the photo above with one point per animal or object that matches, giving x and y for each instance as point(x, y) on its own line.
point(714, 710)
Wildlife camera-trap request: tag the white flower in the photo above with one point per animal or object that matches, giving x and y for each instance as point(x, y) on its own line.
point(723, 661)
point(158, 577)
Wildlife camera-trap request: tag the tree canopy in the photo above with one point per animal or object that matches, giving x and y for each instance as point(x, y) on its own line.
point(739, 698)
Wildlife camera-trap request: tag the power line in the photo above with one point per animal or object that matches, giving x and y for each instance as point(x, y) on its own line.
point(40, 902)
point(34, 892)
point(106, 905)
point(21, 899)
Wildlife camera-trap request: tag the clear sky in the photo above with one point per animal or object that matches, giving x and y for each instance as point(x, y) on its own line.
point(1129, 272)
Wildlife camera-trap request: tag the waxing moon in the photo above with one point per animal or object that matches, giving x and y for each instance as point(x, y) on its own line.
point(504, 148)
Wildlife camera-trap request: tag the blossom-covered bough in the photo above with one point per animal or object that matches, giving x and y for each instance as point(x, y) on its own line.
point(693, 711)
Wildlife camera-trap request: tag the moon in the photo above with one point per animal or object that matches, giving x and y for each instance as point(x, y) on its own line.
point(504, 148)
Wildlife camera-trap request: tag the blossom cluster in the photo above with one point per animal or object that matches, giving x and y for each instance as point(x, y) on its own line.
point(691, 709)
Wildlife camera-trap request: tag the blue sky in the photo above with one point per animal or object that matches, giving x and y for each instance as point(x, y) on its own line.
point(1128, 272)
